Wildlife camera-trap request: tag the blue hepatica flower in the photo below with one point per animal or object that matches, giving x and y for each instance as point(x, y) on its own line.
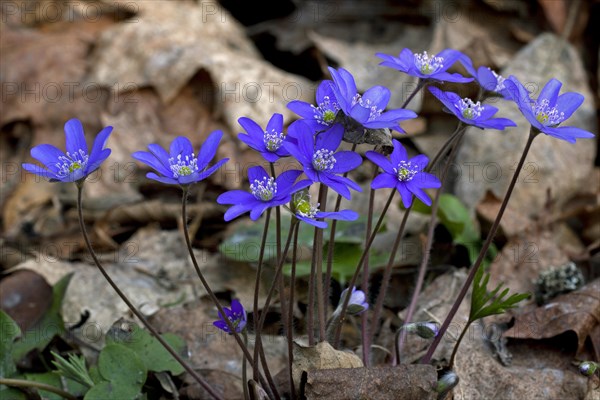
point(77, 163)
point(236, 314)
point(424, 66)
point(487, 78)
point(366, 109)
point(320, 161)
point(321, 116)
point(305, 211)
point(476, 114)
point(549, 110)
point(404, 175)
point(180, 166)
point(268, 142)
point(265, 192)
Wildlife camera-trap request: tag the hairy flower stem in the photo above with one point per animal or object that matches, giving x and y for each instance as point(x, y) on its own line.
point(290, 316)
point(364, 255)
point(364, 318)
point(258, 351)
point(201, 381)
point(428, 243)
point(315, 287)
point(457, 344)
point(330, 247)
point(482, 253)
point(22, 383)
point(263, 314)
point(244, 366)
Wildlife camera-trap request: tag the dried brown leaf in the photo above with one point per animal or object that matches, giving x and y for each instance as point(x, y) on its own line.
point(25, 296)
point(578, 311)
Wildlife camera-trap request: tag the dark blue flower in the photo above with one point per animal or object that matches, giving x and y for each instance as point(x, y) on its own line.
point(366, 109)
point(549, 110)
point(236, 314)
point(476, 114)
point(269, 142)
point(424, 66)
point(320, 161)
point(305, 211)
point(405, 175)
point(487, 78)
point(265, 192)
point(74, 165)
point(180, 166)
point(357, 303)
point(322, 116)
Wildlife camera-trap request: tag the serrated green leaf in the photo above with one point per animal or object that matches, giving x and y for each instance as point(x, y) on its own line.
point(154, 356)
point(485, 303)
point(50, 325)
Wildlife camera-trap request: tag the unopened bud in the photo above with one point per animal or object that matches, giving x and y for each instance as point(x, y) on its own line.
point(426, 330)
point(588, 368)
point(448, 381)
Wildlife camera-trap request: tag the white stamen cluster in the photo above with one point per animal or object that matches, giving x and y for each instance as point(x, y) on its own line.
point(499, 81)
point(405, 171)
point(374, 112)
point(546, 115)
point(469, 109)
point(264, 189)
point(72, 162)
point(428, 64)
point(326, 111)
point(183, 166)
point(323, 160)
point(273, 140)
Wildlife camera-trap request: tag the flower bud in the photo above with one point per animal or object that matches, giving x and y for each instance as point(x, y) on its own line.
point(357, 303)
point(446, 383)
point(588, 368)
point(425, 330)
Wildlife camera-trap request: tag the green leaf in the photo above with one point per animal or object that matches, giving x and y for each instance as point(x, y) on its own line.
point(111, 390)
point(50, 325)
point(485, 303)
point(345, 259)
point(243, 244)
point(122, 371)
point(154, 356)
point(11, 393)
point(9, 331)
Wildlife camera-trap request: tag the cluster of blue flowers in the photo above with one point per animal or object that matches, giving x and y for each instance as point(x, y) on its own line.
point(314, 141)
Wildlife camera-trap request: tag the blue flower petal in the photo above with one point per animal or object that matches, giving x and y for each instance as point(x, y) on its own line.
point(48, 155)
point(331, 138)
point(567, 103)
point(237, 210)
point(256, 173)
point(100, 144)
point(75, 138)
point(313, 222)
point(275, 123)
point(205, 174)
point(381, 161)
point(568, 133)
point(36, 169)
point(181, 146)
point(346, 161)
point(151, 160)
point(235, 196)
point(94, 164)
point(209, 148)
point(405, 194)
point(162, 179)
point(550, 92)
point(486, 78)
point(398, 154)
point(421, 195)
point(379, 96)
point(302, 108)
point(384, 180)
point(334, 183)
